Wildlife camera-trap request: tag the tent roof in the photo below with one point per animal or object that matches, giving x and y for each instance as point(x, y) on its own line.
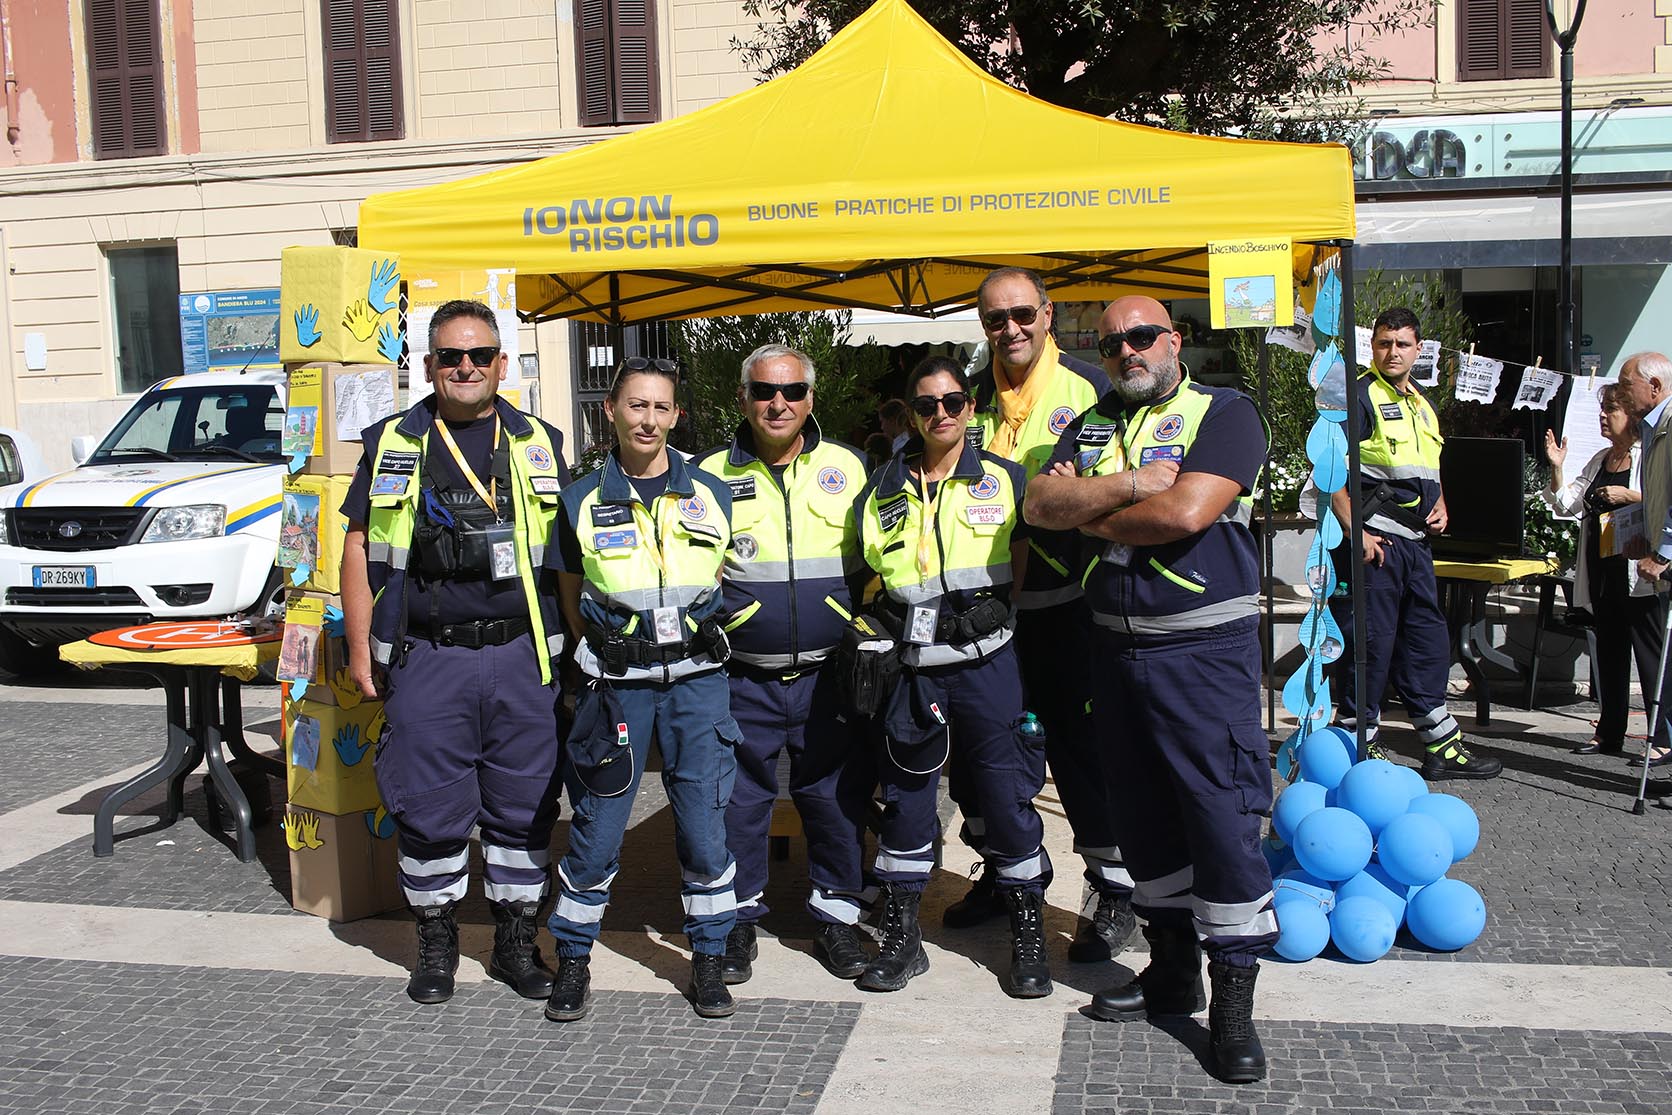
point(887, 172)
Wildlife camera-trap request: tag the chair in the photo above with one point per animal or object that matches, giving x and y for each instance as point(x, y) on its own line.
point(1547, 621)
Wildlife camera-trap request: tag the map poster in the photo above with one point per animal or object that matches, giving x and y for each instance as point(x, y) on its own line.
point(229, 329)
point(1250, 283)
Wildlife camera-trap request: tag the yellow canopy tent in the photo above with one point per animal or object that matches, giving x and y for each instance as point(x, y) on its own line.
point(887, 172)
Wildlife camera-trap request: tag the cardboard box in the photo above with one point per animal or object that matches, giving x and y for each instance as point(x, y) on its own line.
point(329, 755)
point(339, 304)
point(327, 407)
point(342, 867)
point(311, 531)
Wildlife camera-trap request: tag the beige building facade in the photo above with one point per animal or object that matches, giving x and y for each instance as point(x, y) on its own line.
point(130, 178)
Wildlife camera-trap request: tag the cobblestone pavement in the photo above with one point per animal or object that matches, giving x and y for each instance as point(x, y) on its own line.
point(170, 977)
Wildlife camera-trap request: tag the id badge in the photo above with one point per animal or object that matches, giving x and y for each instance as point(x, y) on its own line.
point(921, 621)
point(665, 621)
point(502, 551)
point(1118, 553)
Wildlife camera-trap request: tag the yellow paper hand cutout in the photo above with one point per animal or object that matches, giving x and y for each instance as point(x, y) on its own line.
point(360, 319)
point(347, 692)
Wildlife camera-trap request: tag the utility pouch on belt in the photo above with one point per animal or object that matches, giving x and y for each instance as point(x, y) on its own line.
point(868, 658)
point(1383, 502)
point(981, 619)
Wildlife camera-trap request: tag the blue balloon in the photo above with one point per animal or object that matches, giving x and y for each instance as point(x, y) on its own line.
point(1414, 785)
point(1415, 849)
point(1294, 803)
point(1375, 791)
point(1303, 930)
point(1300, 886)
point(1375, 882)
point(1362, 928)
point(1334, 844)
point(1447, 915)
point(1349, 744)
point(1322, 760)
point(1279, 856)
point(1457, 817)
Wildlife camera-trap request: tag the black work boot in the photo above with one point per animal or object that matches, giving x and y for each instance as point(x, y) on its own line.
point(982, 902)
point(516, 957)
point(901, 956)
point(1030, 971)
point(1170, 984)
point(741, 947)
point(438, 954)
point(571, 989)
point(1453, 760)
point(838, 948)
point(1103, 935)
point(708, 986)
point(1237, 1054)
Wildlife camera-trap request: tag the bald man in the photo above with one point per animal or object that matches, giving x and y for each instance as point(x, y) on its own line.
point(1161, 474)
point(1646, 388)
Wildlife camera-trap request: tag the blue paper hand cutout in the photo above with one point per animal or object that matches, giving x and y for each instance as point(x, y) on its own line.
point(385, 277)
point(307, 325)
point(347, 742)
point(389, 343)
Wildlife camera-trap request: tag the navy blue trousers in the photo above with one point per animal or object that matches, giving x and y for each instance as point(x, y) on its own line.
point(1406, 641)
point(471, 741)
point(1054, 647)
point(691, 721)
point(831, 777)
point(1191, 785)
point(982, 703)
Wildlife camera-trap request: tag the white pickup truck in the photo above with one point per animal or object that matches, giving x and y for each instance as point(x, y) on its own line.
point(175, 515)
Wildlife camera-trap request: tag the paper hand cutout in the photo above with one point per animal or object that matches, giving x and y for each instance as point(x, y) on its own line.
point(386, 276)
point(389, 342)
point(360, 320)
point(307, 325)
point(347, 742)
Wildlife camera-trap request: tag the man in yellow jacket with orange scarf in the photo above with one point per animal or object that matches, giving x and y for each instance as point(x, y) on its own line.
point(1025, 398)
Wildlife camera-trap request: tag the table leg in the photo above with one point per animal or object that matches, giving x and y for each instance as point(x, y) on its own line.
point(1471, 603)
point(177, 762)
point(232, 729)
point(206, 699)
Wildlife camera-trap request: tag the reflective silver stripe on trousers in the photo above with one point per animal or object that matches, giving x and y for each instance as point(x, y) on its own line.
point(844, 910)
point(916, 861)
point(781, 661)
point(1436, 726)
point(569, 884)
point(426, 867)
point(387, 553)
point(707, 905)
point(516, 857)
point(1048, 598)
point(1235, 919)
point(988, 576)
point(643, 599)
point(452, 892)
point(1029, 868)
point(1167, 892)
point(723, 879)
point(579, 912)
point(1211, 615)
point(513, 892)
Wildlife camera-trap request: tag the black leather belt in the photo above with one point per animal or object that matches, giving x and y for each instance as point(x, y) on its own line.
point(474, 635)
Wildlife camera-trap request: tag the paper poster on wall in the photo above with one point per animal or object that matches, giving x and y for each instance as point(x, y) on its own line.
point(428, 290)
point(1581, 427)
point(1250, 283)
point(229, 329)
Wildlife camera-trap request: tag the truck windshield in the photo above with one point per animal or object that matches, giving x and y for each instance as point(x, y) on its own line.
point(198, 423)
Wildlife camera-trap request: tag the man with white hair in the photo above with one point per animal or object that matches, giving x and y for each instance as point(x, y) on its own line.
point(787, 602)
point(1645, 387)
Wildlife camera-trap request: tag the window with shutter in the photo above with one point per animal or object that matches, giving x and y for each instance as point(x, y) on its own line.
point(616, 61)
point(125, 70)
point(1499, 39)
point(362, 71)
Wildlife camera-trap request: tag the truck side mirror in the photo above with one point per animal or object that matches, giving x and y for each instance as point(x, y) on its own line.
point(82, 447)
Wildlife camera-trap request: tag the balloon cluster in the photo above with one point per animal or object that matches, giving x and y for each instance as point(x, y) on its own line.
point(1360, 849)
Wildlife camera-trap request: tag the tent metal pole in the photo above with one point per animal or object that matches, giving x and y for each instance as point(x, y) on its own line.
point(1265, 540)
point(1354, 554)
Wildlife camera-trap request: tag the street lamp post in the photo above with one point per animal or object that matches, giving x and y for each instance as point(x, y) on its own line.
point(1565, 38)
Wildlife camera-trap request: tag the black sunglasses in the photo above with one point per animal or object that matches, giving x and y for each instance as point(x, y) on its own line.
point(647, 364)
point(792, 392)
point(924, 406)
point(1138, 339)
point(1022, 315)
point(453, 357)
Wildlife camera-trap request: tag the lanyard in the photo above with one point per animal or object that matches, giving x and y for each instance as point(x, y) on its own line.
point(490, 494)
point(926, 529)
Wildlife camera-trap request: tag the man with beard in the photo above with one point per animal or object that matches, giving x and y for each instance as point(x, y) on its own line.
point(1161, 471)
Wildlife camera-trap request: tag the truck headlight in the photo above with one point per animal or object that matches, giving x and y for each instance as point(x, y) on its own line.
point(179, 524)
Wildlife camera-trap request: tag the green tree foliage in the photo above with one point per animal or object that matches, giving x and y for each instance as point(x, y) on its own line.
point(712, 351)
point(1214, 67)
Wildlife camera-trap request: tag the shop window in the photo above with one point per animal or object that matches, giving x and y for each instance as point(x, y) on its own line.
point(125, 68)
point(362, 71)
point(1500, 39)
point(616, 61)
point(145, 293)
